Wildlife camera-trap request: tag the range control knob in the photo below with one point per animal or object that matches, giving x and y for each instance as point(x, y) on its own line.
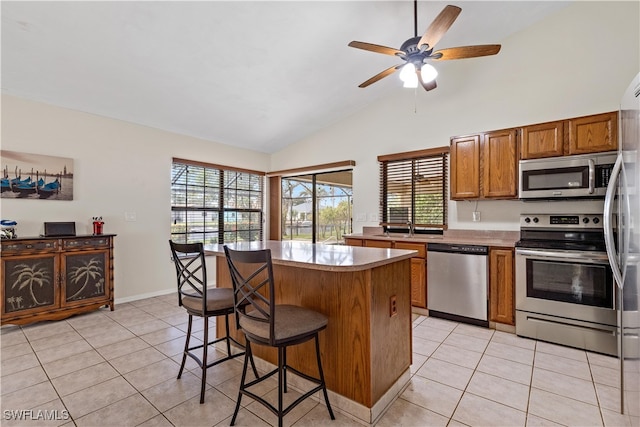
point(596, 220)
point(535, 219)
point(527, 220)
point(585, 220)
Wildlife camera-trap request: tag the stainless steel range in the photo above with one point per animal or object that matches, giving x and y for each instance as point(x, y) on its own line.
point(565, 291)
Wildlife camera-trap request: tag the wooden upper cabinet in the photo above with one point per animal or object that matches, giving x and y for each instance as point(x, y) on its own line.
point(485, 165)
point(580, 135)
point(542, 140)
point(499, 164)
point(593, 134)
point(465, 167)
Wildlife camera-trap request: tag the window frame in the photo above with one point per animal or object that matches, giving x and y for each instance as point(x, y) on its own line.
point(217, 209)
point(315, 181)
point(407, 166)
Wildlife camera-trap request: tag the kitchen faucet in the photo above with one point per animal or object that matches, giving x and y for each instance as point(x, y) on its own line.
point(410, 224)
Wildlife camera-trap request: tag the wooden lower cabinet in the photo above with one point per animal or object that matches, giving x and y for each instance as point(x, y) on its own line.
point(418, 264)
point(419, 282)
point(350, 241)
point(54, 278)
point(501, 285)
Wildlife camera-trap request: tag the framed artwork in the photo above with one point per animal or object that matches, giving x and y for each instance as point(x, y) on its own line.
point(35, 176)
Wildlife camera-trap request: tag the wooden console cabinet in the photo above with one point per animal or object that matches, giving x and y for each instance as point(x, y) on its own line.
point(54, 278)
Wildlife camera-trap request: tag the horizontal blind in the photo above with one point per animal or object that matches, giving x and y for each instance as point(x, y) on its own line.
point(215, 204)
point(414, 190)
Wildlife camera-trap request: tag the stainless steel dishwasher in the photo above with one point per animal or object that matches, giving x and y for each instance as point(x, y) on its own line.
point(457, 282)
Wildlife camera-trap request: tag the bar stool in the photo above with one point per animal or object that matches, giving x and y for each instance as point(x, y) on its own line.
point(266, 323)
point(201, 301)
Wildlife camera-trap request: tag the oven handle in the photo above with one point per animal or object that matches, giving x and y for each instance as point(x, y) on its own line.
point(588, 257)
point(608, 226)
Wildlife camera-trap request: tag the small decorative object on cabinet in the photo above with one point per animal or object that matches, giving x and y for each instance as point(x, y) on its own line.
point(54, 278)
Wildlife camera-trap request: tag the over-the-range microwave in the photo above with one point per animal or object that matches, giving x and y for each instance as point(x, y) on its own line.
point(582, 176)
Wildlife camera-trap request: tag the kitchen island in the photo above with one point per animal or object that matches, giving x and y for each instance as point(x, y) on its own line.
point(365, 293)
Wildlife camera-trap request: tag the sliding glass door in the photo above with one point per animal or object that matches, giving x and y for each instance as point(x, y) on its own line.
point(317, 207)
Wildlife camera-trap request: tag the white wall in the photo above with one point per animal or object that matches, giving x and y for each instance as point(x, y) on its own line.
point(119, 167)
point(576, 62)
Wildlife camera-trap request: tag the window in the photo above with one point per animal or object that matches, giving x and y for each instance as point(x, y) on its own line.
point(317, 207)
point(413, 188)
point(215, 204)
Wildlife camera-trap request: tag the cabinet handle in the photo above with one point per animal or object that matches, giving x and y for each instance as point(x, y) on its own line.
point(29, 246)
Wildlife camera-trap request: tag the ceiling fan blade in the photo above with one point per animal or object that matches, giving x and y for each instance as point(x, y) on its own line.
point(380, 75)
point(465, 52)
point(427, 86)
point(439, 26)
point(376, 48)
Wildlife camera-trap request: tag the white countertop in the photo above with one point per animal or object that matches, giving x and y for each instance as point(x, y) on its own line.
point(318, 256)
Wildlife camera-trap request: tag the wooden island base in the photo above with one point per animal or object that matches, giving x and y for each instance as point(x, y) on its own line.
point(366, 348)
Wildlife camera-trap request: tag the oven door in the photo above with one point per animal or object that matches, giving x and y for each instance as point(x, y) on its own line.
point(571, 284)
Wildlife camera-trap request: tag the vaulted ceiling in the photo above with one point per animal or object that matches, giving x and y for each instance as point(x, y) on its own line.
point(258, 75)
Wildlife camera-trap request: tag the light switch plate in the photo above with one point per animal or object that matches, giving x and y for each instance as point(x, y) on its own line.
point(476, 216)
point(130, 216)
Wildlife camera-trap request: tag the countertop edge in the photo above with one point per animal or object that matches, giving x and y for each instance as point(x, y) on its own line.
point(437, 239)
point(382, 257)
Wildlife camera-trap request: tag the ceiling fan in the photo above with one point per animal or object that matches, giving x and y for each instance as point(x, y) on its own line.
point(417, 51)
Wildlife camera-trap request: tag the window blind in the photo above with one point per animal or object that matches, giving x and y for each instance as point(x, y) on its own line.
point(414, 189)
point(215, 204)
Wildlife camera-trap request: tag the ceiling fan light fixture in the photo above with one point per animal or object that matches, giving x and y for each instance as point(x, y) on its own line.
point(411, 82)
point(428, 73)
point(408, 72)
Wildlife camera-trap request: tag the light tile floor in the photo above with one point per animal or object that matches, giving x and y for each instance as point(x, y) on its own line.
point(119, 368)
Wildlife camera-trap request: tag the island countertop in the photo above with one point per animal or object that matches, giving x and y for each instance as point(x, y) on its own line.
point(319, 256)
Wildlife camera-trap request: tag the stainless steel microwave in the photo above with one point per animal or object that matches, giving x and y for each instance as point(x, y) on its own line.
point(582, 176)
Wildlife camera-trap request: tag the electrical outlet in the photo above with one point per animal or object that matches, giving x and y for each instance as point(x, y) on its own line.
point(476, 216)
point(393, 306)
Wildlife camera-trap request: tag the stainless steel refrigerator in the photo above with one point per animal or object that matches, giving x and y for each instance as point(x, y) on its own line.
point(622, 235)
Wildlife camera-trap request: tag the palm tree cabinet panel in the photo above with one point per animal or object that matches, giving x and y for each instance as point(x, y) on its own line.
point(54, 278)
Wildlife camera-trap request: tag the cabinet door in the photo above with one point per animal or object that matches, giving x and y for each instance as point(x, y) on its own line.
point(499, 164)
point(378, 243)
point(593, 134)
point(350, 241)
point(86, 276)
point(420, 247)
point(501, 286)
point(30, 284)
point(418, 282)
point(465, 167)
point(542, 140)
